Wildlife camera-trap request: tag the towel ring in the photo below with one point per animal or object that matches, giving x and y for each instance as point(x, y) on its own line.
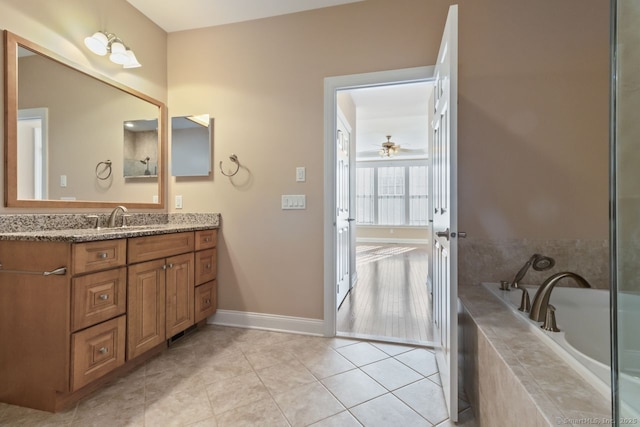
point(234, 159)
point(107, 169)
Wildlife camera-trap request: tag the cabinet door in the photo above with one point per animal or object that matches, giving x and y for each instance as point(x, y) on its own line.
point(180, 293)
point(145, 307)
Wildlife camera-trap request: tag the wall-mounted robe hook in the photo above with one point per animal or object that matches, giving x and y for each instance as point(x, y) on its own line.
point(234, 159)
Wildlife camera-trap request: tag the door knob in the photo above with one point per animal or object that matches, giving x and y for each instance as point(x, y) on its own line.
point(351, 219)
point(444, 234)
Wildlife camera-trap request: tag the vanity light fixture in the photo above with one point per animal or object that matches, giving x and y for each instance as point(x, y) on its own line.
point(102, 43)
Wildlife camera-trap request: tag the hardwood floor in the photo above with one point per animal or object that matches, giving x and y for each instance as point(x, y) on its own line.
point(390, 300)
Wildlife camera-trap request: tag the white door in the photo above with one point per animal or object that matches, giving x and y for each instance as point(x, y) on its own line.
point(343, 222)
point(445, 219)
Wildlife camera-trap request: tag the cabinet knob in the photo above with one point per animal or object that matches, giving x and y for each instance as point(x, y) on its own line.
point(170, 265)
point(104, 297)
point(209, 265)
point(102, 255)
point(103, 350)
point(206, 239)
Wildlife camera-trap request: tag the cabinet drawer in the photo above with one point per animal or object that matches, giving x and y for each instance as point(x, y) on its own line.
point(206, 300)
point(161, 246)
point(206, 267)
point(206, 239)
point(94, 256)
point(97, 351)
point(98, 297)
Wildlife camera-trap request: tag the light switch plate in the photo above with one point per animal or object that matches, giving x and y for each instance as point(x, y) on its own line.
point(301, 174)
point(291, 201)
point(178, 202)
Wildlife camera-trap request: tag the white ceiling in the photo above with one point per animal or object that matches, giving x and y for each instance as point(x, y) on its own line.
point(396, 110)
point(172, 15)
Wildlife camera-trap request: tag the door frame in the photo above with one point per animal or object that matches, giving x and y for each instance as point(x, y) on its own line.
point(331, 87)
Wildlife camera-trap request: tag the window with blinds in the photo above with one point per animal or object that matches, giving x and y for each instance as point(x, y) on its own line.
point(392, 195)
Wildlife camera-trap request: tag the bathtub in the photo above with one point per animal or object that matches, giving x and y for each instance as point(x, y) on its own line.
point(583, 317)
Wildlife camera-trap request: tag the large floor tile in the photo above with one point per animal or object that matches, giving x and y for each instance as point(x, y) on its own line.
point(391, 373)
point(426, 398)
point(262, 413)
point(392, 349)
point(11, 415)
point(231, 393)
point(325, 363)
point(362, 353)
point(353, 387)
point(385, 411)
point(178, 409)
point(343, 419)
point(420, 360)
point(285, 376)
point(307, 404)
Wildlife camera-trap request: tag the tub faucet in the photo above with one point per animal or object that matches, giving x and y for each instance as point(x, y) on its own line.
point(538, 262)
point(541, 300)
point(114, 214)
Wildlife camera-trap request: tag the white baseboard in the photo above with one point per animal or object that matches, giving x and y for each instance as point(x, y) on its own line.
point(269, 322)
point(392, 240)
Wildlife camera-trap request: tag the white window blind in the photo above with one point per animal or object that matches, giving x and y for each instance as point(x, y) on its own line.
point(392, 195)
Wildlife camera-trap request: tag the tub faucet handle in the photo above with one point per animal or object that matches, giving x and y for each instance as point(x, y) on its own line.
point(550, 320)
point(525, 302)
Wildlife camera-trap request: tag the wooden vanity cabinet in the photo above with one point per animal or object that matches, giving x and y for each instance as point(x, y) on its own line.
point(62, 336)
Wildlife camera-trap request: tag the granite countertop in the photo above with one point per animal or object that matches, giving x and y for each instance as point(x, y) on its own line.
point(75, 229)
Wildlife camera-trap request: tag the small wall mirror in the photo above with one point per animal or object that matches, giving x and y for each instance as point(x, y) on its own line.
point(191, 145)
point(140, 148)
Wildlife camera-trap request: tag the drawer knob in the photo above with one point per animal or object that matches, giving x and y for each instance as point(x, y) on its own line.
point(206, 239)
point(102, 255)
point(207, 301)
point(208, 265)
point(103, 350)
point(104, 297)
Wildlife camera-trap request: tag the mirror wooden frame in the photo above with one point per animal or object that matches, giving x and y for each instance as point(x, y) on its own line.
point(11, 44)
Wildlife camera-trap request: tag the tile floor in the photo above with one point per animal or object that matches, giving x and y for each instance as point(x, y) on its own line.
point(221, 376)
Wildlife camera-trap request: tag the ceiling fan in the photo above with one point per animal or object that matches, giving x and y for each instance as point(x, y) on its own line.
point(389, 148)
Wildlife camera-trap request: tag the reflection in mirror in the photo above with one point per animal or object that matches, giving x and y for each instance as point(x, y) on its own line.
point(191, 145)
point(62, 121)
point(140, 148)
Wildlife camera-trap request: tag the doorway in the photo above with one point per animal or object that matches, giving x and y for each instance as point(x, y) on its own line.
point(387, 259)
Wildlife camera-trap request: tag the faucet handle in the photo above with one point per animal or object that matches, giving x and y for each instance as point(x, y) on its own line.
point(525, 302)
point(124, 219)
point(550, 320)
point(96, 220)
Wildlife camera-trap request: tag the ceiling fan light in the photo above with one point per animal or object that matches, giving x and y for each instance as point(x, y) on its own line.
point(97, 43)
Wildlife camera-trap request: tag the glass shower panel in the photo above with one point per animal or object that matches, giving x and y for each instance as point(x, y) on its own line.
point(626, 224)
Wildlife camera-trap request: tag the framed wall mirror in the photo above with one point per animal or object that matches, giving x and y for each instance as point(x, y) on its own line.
point(191, 138)
point(69, 135)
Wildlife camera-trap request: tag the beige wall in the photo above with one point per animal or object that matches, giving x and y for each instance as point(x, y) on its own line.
point(61, 26)
point(532, 126)
point(533, 107)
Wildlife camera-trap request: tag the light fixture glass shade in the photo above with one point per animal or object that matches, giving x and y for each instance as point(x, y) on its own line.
point(119, 53)
point(97, 43)
point(132, 60)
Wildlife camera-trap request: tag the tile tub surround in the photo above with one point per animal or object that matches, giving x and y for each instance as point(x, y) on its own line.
point(513, 378)
point(492, 260)
point(222, 376)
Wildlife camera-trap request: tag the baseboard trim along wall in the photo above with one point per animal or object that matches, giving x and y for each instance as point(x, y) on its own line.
point(392, 240)
point(268, 322)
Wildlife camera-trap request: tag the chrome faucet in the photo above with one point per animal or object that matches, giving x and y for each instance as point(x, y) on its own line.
point(114, 214)
point(539, 263)
point(541, 300)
